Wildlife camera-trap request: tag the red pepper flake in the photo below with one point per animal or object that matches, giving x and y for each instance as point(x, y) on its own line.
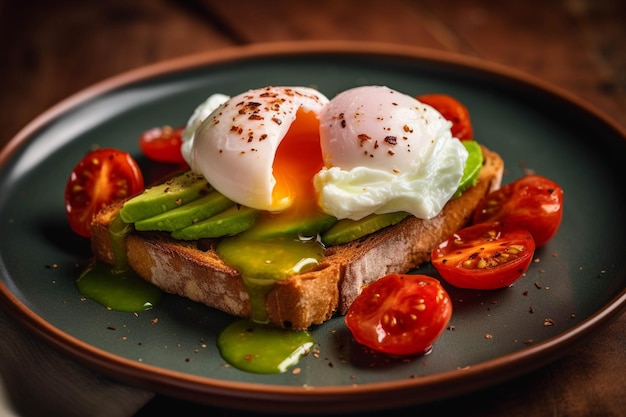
point(363, 138)
point(236, 129)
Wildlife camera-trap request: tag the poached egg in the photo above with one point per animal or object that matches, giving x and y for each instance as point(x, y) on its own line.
point(368, 150)
point(259, 148)
point(384, 152)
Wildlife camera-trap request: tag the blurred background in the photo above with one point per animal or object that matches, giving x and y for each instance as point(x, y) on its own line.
point(53, 49)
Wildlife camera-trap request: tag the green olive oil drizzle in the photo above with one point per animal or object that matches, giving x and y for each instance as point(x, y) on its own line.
point(262, 349)
point(120, 291)
point(263, 262)
point(117, 287)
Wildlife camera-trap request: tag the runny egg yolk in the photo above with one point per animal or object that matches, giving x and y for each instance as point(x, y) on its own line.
point(298, 158)
point(264, 261)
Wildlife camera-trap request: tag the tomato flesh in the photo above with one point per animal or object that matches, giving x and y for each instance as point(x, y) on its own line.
point(532, 202)
point(102, 177)
point(454, 111)
point(484, 256)
point(162, 144)
point(400, 314)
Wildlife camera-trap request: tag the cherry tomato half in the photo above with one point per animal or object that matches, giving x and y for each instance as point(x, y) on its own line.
point(400, 314)
point(454, 111)
point(102, 177)
point(532, 202)
point(484, 256)
point(162, 144)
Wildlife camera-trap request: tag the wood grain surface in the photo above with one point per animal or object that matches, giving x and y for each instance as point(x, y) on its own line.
point(52, 49)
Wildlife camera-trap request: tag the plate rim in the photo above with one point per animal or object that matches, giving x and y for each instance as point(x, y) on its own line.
point(290, 397)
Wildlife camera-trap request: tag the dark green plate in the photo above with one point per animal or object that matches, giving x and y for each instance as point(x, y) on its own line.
point(577, 284)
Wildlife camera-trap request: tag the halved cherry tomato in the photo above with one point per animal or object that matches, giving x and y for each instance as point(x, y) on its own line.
point(400, 314)
point(484, 256)
point(454, 111)
point(532, 202)
point(102, 177)
point(162, 144)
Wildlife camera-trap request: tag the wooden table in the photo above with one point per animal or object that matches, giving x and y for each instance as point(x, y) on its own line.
point(54, 49)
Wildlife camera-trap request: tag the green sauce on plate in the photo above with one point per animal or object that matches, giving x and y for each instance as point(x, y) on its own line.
point(117, 290)
point(262, 349)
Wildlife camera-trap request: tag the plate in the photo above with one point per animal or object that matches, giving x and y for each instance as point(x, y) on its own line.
point(576, 285)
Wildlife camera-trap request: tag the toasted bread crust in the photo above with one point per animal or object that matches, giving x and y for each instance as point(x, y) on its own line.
point(194, 270)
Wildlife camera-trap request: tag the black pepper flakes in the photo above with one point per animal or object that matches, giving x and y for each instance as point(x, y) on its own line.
point(391, 140)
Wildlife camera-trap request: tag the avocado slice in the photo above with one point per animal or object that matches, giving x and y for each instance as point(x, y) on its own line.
point(160, 198)
point(187, 214)
point(283, 224)
point(472, 166)
point(346, 230)
point(231, 221)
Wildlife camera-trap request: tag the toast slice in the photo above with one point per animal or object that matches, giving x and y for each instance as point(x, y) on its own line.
point(193, 269)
